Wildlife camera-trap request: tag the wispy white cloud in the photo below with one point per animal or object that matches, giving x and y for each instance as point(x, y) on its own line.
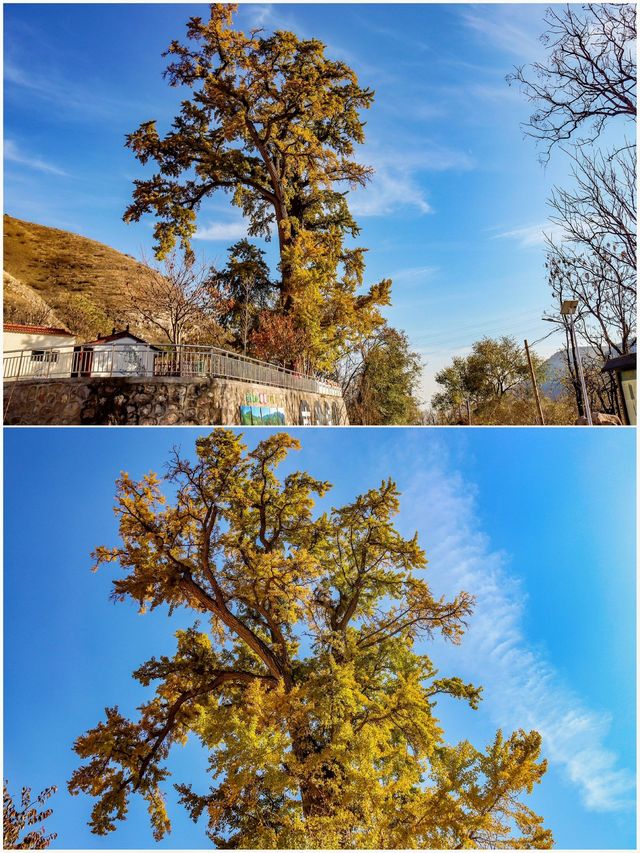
point(222, 231)
point(398, 176)
point(392, 188)
point(47, 88)
point(410, 41)
point(532, 236)
point(493, 92)
point(410, 275)
point(71, 98)
point(522, 687)
point(260, 14)
point(508, 28)
point(438, 158)
point(13, 154)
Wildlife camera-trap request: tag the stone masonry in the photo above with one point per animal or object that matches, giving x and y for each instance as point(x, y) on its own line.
point(158, 401)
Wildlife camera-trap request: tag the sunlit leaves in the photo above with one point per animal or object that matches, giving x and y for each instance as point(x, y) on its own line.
point(305, 687)
point(17, 821)
point(273, 122)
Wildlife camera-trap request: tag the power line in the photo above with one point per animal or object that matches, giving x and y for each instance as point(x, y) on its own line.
point(552, 332)
point(489, 325)
point(439, 346)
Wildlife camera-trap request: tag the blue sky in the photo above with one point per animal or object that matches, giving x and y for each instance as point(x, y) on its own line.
point(538, 524)
point(457, 206)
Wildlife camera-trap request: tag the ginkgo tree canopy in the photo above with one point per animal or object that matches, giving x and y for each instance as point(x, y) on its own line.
point(272, 121)
point(299, 675)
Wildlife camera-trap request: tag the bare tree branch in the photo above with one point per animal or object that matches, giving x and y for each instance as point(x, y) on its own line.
point(589, 76)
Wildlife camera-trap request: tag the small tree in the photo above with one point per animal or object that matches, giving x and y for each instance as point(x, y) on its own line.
point(244, 288)
point(461, 391)
point(15, 821)
point(84, 317)
point(379, 381)
point(279, 339)
point(499, 365)
point(496, 367)
point(174, 298)
point(303, 683)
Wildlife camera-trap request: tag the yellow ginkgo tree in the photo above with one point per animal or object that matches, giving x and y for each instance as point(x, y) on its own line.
point(273, 121)
point(299, 677)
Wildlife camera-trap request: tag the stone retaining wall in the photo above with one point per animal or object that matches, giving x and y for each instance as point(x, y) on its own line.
point(160, 401)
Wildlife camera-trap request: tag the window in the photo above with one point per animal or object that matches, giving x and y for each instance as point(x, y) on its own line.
point(305, 413)
point(44, 355)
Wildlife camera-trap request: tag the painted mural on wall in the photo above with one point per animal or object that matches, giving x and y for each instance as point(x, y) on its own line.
point(265, 409)
point(262, 409)
point(261, 416)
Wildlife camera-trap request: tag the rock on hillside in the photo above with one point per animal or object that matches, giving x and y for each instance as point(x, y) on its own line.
point(21, 304)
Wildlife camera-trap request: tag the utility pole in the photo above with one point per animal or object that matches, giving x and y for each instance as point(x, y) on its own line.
point(535, 384)
point(568, 309)
point(575, 382)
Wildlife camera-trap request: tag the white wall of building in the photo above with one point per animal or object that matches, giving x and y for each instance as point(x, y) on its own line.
point(28, 354)
point(30, 340)
point(124, 357)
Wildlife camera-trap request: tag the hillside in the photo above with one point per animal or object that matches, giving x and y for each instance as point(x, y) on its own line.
point(80, 280)
point(556, 371)
point(23, 305)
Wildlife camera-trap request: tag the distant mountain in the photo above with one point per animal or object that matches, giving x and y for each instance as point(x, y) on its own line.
point(556, 369)
point(80, 280)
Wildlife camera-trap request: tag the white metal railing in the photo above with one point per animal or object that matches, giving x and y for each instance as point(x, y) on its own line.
point(141, 360)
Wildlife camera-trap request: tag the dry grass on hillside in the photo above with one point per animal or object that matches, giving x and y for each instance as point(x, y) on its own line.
point(69, 272)
point(21, 304)
point(55, 277)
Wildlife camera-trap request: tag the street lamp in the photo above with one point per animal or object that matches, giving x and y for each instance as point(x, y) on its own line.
point(568, 309)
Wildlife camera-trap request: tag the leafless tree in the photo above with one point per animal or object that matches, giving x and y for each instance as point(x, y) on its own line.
point(599, 211)
point(589, 76)
point(174, 298)
point(595, 259)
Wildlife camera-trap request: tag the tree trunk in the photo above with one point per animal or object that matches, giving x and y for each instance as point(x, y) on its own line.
point(315, 802)
point(285, 243)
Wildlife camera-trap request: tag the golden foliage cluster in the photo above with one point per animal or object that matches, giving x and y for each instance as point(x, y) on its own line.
point(305, 687)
